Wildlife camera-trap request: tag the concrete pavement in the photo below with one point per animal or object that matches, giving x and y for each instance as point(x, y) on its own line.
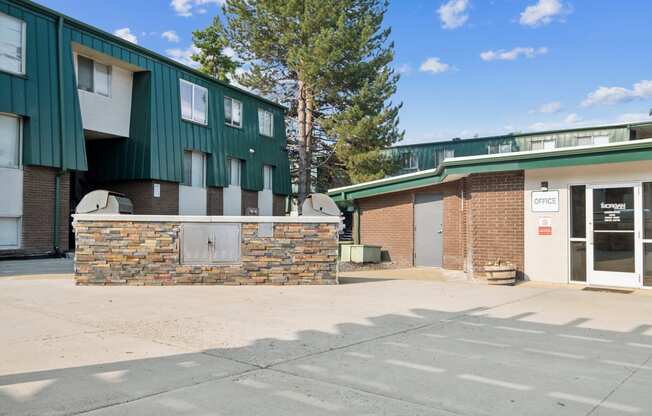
point(393, 347)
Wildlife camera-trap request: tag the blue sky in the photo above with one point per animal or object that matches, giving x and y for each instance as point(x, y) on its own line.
point(468, 67)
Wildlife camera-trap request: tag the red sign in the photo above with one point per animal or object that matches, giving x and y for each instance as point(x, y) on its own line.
point(545, 226)
point(545, 230)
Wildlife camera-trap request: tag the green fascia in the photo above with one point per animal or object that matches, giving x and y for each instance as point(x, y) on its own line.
point(629, 152)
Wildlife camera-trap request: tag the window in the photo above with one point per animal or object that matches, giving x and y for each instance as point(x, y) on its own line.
point(499, 148)
point(9, 141)
point(543, 144)
point(578, 233)
point(10, 129)
point(409, 161)
point(592, 140)
point(235, 172)
point(265, 123)
point(12, 44)
point(268, 172)
point(93, 76)
point(194, 169)
point(194, 102)
point(232, 112)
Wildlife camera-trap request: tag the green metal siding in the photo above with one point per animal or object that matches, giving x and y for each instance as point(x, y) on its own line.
point(158, 135)
point(35, 96)
point(629, 152)
point(428, 154)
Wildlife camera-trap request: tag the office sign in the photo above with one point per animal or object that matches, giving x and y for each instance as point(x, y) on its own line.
point(545, 201)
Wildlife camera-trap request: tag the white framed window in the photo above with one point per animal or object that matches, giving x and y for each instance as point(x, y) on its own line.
point(12, 44)
point(232, 112)
point(194, 102)
point(446, 154)
point(93, 76)
point(409, 161)
point(10, 232)
point(268, 172)
point(265, 122)
point(592, 140)
point(10, 162)
point(499, 148)
point(194, 169)
point(10, 141)
point(543, 144)
point(235, 171)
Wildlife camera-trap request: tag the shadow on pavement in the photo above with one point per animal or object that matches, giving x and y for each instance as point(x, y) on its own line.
point(436, 363)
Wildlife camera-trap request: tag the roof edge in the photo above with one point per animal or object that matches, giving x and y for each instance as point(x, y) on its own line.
point(140, 49)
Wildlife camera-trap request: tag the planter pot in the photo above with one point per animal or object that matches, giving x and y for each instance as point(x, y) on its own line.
point(502, 274)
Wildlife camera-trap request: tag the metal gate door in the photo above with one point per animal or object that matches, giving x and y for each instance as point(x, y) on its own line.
point(428, 229)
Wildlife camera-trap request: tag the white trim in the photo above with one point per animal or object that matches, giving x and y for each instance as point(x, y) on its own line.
point(205, 218)
point(23, 51)
point(231, 123)
point(192, 118)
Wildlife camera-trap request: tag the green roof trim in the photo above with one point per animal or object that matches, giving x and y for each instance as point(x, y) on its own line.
point(629, 151)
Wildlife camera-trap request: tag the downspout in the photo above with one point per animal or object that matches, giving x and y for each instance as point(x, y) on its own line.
point(356, 223)
point(62, 170)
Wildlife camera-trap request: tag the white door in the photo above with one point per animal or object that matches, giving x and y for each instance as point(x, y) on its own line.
point(614, 234)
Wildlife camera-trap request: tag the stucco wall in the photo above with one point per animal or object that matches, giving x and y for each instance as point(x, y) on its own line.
point(547, 257)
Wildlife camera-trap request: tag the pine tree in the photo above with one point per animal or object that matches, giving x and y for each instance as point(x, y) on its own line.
point(328, 61)
point(211, 56)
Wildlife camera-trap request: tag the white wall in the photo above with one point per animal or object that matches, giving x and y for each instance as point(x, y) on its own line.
point(109, 115)
point(192, 200)
point(547, 257)
point(266, 202)
point(232, 200)
point(11, 189)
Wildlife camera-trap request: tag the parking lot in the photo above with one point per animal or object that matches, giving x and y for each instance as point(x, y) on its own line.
point(372, 346)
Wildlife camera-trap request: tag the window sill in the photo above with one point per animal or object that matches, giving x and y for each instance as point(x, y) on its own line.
point(266, 136)
point(14, 74)
point(197, 123)
point(233, 126)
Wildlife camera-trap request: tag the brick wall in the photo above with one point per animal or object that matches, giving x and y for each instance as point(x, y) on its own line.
point(215, 197)
point(496, 218)
point(483, 221)
point(249, 200)
point(141, 194)
point(37, 236)
point(148, 253)
point(387, 221)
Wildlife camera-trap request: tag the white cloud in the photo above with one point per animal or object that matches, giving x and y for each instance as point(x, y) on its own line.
point(186, 8)
point(513, 54)
point(452, 13)
point(614, 95)
point(125, 33)
point(184, 56)
point(548, 108)
point(170, 36)
point(542, 13)
point(434, 65)
point(572, 118)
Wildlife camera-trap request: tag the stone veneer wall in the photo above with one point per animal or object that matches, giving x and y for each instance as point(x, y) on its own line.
point(148, 253)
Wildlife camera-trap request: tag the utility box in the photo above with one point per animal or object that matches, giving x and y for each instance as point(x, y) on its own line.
point(345, 250)
point(362, 253)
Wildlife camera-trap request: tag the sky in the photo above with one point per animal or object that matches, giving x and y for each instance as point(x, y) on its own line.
point(468, 67)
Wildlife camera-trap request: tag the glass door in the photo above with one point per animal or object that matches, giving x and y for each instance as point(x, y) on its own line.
point(613, 234)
